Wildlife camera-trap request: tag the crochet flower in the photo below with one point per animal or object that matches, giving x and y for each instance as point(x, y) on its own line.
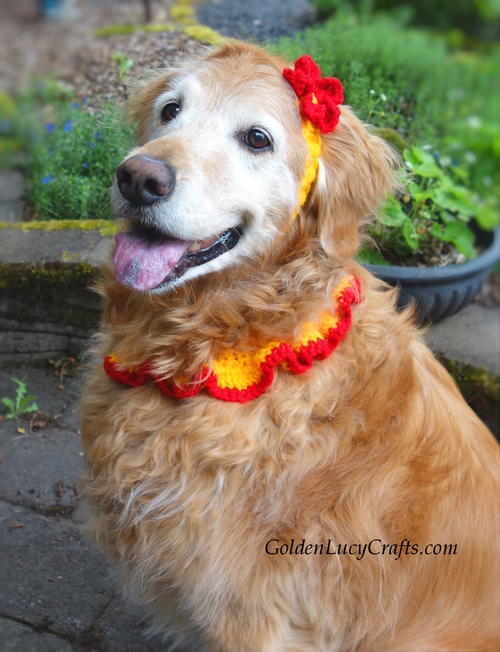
point(319, 97)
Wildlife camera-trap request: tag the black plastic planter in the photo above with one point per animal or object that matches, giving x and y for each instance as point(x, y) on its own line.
point(442, 291)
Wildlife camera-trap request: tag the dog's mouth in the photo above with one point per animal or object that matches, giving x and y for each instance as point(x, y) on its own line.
point(147, 259)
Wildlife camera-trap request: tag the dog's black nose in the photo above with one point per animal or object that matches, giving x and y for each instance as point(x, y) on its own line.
point(143, 180)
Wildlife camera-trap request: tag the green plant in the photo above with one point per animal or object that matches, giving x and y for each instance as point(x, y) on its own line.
point(72, 161)
point(431, 221)
point(400, 77)
point(22, 403)
point(477, 143)
point(478, 18)
point(124, 64)
point(70, 151)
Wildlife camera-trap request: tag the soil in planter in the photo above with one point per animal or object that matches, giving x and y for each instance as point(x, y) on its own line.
point(438, 254)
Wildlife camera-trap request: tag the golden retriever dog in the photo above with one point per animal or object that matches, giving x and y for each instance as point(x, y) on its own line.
point(275, 460)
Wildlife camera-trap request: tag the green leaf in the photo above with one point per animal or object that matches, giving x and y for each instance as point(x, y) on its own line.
point(418, 193)
point(411, 236)
point(371, 257)
point(391, 212)
point(460, 173)
point(8, 402)
point(30, 408)
point(447, 217)
point(422, 163)
point(453, 198)
point(488, 217)
point(459, 234)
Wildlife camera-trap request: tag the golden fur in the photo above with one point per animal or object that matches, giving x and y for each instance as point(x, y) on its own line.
point(374, 442)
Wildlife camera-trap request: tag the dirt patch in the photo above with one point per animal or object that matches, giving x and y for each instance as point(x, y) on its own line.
point(73, 53)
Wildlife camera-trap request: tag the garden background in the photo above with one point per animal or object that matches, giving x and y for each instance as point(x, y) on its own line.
point(424, 74)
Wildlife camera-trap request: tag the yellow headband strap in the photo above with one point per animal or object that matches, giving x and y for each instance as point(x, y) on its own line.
point(312, 137)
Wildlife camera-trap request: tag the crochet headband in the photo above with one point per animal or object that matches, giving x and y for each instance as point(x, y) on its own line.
point(319, 99)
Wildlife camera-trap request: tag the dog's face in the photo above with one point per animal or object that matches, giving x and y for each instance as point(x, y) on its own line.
point(217, 176)
point(215, 179)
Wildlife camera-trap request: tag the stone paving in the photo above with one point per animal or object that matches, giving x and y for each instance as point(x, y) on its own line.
point(11, 194)
point(255, 21)
point(58, 592)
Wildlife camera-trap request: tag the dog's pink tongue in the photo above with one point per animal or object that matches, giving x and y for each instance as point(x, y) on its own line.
point(144, 264)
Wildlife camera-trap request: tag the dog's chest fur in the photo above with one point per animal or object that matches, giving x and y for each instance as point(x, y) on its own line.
point(188, 492)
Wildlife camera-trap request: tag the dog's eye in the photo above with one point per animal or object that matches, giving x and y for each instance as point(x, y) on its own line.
point(257, 139)
point(170, 111)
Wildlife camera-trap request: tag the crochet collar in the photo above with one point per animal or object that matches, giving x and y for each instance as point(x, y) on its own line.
point(241, 376)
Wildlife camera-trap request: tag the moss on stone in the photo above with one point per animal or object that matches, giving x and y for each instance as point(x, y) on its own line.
point(112, 30)
point(392, 136)
point(205, 34)
point(182, 12)
point(51, 293)
point(7, 105)
point(159, 27)
point(105, 227)
point(480, 387)
point(10, 145)
point(36, 276)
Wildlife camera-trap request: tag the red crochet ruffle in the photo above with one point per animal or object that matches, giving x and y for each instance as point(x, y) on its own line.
point(295, 360)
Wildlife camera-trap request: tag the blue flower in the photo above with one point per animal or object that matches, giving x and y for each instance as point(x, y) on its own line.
point(98, 135)
point(91, 143)
point(47, 178)
point(86, 100)
point(68, 125)
point(75, 105)
point(50, 126)
point(86, 165)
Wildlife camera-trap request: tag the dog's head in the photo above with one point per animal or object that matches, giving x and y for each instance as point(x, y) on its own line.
point(216, 177)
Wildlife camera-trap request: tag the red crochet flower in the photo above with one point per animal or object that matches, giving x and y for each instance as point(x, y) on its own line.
point(306, 81)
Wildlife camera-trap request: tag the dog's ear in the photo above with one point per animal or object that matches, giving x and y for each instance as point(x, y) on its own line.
point(356, 171)
point(140, 105)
